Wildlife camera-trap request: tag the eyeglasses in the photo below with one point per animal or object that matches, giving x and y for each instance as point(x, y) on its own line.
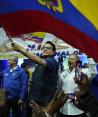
point(47, 48)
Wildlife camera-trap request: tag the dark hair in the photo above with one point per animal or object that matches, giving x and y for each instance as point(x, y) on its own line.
point(53, 46)
point(23, 65)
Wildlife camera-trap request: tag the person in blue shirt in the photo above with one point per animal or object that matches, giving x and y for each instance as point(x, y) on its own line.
point(15, 84)
point(44, 81)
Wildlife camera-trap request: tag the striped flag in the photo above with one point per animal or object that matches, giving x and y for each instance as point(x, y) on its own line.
point(74, 21)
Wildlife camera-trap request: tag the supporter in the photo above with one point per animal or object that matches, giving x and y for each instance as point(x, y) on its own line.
point(15, 85)
point(44, 81)
point(86, 101)
point(70, 86)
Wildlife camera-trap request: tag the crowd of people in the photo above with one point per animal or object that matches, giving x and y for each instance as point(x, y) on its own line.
point(44, 98)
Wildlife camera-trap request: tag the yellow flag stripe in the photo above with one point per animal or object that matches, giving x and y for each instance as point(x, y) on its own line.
point(89, 8)
point(39, 34)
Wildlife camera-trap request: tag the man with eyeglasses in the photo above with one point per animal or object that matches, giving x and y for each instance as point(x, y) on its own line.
point(45, 76)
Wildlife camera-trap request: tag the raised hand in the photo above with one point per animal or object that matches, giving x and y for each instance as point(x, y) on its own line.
point(83, 84)
point(17, 47)
point(36, 109)
point(58, 101)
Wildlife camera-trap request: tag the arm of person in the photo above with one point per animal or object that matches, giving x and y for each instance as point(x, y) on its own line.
point(86, 101)
point(1, 79)
point(92, 67)
point(24, 85)
point(91, 71)
point(5, 47)
point(89, 103)
point(29, 54)
point(83, 83)
point(3, 98)
point(58, 100)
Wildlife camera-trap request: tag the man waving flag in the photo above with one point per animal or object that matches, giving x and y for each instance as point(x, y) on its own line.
point(74, 21)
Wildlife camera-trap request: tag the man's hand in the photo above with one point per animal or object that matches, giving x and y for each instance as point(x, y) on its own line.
point(20, 102)
point(83, 84)
point(3, 98)
point(17, 47)
point(58, 101)
point(6, 46)
point(36, 108)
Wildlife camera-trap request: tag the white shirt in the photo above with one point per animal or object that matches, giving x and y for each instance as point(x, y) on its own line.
point(69, 86)
point(11, 70)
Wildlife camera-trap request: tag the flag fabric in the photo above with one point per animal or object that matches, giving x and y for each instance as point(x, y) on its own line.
point(74, 21)
point(36, 37)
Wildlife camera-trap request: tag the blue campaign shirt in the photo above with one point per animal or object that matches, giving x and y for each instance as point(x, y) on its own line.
point(15, 82)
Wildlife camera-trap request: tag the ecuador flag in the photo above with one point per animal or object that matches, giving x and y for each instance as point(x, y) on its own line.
point(74, 21)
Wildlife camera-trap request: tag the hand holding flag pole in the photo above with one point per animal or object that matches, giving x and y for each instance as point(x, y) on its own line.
point(6, 43)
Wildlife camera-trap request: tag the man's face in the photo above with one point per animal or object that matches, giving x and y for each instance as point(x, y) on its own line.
point(47, 50)
point(11, 61)
point(72, 61)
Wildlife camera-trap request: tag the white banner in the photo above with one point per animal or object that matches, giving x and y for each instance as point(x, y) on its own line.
point(34, 44)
